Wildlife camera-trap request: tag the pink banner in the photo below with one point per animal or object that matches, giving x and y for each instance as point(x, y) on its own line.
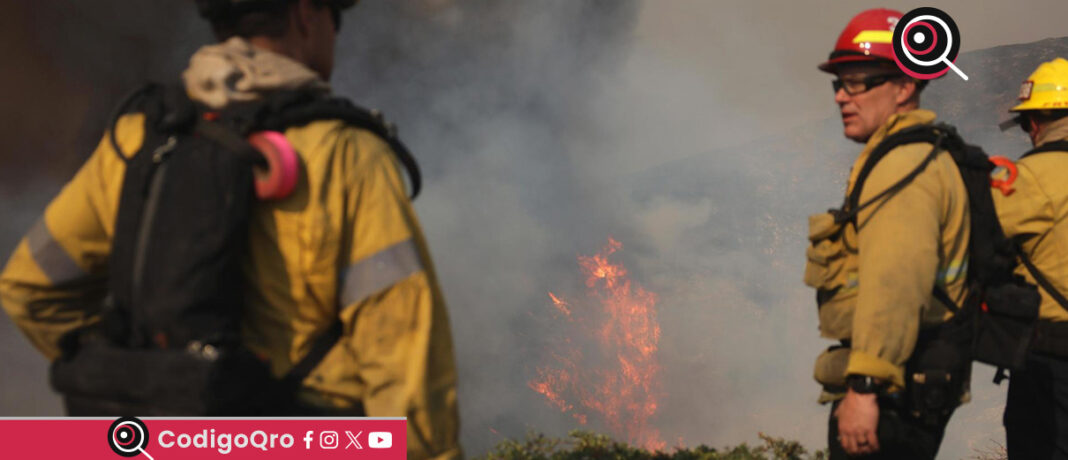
point(203, 438)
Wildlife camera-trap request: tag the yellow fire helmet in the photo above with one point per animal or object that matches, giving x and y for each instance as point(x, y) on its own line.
point(1046, 88)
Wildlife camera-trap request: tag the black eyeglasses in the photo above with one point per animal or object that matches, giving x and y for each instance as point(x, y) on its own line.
point(1025, 122)
point(855, 87)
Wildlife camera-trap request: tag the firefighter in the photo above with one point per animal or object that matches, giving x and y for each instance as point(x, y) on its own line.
point(879, 265)
point(347, 244)
point(1033, 210)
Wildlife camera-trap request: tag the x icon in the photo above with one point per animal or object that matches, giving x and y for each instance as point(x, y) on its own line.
point(352, 440)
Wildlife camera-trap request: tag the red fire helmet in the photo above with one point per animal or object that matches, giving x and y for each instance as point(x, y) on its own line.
point(868, 37)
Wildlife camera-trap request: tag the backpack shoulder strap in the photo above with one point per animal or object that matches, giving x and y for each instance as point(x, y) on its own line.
point(321, 345)
point(1041, 279)
point(288, 109)
point(167, 110)
point(933, 134)
point(944, 297)
point(147, 99)
point(1056, 146)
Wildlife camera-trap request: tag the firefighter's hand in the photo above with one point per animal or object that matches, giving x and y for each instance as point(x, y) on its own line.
point(858, 419)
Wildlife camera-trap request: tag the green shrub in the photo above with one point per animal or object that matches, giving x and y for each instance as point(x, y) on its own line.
point(591, 446)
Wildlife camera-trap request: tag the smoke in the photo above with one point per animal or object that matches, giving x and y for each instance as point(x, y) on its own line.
point(495, 99)
point(544, 133)
point(698, 134)
point(65, 65)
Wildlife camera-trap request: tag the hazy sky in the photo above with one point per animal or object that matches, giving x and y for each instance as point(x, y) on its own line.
point(757, 59)
point(698, 133)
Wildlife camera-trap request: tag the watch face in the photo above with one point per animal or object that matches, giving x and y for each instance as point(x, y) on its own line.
point(862, 384)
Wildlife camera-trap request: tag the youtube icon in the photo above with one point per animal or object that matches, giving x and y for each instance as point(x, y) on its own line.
point(380, 440)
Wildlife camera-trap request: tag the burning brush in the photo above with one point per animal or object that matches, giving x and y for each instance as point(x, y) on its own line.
point(617, 379)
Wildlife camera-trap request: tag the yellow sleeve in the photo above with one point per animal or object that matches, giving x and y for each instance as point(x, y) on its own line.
point(898, 244)
point(392, 307)
point(56, 278)
point(1027, 210)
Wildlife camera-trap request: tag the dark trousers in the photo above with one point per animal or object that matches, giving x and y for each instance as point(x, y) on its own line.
point(900, 436)
point(1036, 413)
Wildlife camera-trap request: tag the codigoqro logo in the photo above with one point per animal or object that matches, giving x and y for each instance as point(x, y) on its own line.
point(926, 42)
point(128, 437)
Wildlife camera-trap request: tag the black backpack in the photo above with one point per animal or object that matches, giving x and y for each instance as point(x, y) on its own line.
point(997, 317)
point(169, 342)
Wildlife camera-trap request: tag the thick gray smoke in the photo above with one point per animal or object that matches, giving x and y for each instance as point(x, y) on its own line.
point(698, 134)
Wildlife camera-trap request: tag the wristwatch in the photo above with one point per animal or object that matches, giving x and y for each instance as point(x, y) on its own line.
point(864, 384)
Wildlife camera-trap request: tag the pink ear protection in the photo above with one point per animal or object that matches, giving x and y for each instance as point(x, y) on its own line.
point(279, 178)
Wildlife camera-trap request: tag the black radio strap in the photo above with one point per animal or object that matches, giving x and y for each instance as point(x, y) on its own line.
point(916, 134)
point(1041, 279)
point(320, 347)
point(943, 297)
point(1056, 146)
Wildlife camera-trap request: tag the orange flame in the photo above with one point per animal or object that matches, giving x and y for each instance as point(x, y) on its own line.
point(560, 305)
point(623, 393)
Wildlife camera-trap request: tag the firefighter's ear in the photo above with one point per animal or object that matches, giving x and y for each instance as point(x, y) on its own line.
point(303, 14)
point(1034, 130)
point(907, 91)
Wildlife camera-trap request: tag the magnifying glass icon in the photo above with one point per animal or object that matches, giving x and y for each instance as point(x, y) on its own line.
point(942, 58)
point(128, 437)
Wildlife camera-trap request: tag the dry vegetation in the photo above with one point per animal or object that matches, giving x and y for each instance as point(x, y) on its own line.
point(582, 445)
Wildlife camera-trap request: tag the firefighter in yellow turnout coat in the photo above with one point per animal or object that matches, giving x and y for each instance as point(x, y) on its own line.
point(347, 244)
point(1033, 210)
point(876, 273)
